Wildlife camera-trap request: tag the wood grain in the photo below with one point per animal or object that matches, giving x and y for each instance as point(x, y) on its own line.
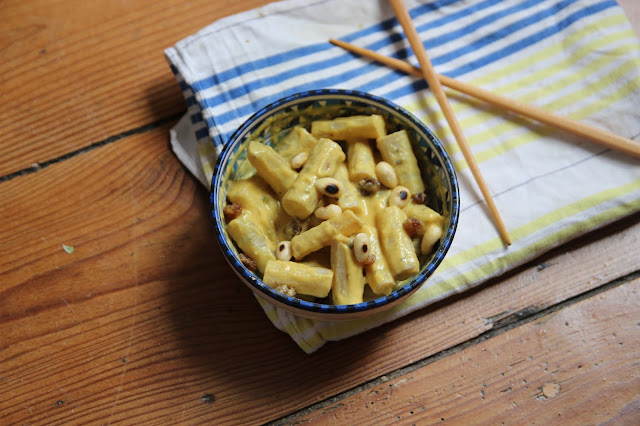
point(143, 323)
point(577, 365)
point(75, 72)
point(144, 318)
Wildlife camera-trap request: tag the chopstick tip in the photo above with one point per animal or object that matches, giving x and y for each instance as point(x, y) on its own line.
point(506, 239)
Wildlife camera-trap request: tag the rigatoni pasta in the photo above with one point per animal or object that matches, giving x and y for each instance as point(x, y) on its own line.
point(396, 245)
point(396, 150)
point(303, 279)
point(343, 230)
point(254, 195)
point(347, 286)
point(297, 141)
point(271, 167)
point(378, 274)
point(361, 162)
point(247, 234)
point(350, 128)
point(302, 198)
point(314, 239)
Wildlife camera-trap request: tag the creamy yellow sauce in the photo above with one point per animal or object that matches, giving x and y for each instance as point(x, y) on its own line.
point(266, 211)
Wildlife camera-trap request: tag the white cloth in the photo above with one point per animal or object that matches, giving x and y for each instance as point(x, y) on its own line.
point(577, 58)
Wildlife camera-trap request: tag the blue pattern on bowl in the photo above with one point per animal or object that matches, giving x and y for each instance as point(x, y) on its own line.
point(301, 109)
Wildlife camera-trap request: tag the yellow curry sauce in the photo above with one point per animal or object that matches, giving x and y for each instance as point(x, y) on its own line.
point(325, 247)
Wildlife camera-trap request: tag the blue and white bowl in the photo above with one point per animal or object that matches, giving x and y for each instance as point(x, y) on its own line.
point(300, 109)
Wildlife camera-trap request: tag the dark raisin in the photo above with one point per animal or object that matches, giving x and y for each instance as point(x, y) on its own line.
point(368, 186)
point(411, 226)
point(248, 262)
point(420, 198)
point(403, 195)
point(232, 211)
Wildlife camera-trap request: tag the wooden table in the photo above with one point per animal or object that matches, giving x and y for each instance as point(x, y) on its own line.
point(144, 322)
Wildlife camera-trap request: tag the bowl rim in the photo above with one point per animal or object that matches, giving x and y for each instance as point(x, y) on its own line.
point(313, 307)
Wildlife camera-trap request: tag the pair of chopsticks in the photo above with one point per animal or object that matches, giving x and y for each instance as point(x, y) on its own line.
point(599, 136)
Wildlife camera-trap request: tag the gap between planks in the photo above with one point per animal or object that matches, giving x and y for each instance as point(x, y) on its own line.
point(111, 139)
point(511, 321)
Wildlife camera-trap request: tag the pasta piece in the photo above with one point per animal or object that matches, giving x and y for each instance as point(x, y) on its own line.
point(298, 140)
point(360, 160)
point(379, 277)
point(254, 195)
point(247, 234)
point(350, 128)
point(347, 287)
point(320, 258)
point(424, 215)
point(304, 279)
point(396, 245)
point(350, 198)
point(271, 167)
point(346, 223)
point(301, 200)
point(277, 204)
point(396, 150)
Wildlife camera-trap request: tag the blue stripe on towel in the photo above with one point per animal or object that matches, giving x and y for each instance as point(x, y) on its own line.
point(376, 85)
point(506, 51)
point(202, 133)
point(391, 76)
point(251, 86)
point(308, 50)
point(420, 84)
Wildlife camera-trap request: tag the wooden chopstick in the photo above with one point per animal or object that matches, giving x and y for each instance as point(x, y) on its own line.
point(593, 134)
point(429, 74)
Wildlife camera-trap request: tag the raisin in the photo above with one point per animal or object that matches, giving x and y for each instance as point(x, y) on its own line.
point(420, 198)
point(411, 226)
point(248, 262)
point(232, 211)
point(368, 186)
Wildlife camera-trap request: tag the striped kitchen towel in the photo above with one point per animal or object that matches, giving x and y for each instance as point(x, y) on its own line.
point(577, 58)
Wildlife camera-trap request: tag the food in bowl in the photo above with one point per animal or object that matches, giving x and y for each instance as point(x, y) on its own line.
point(364, 201)
point(334, 199)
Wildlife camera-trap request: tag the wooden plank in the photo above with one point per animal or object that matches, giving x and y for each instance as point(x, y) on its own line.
point(80, 72)
point(144, 321)
point(632, 10)
point(144, 318)
point(578, 365)
point(112, 329)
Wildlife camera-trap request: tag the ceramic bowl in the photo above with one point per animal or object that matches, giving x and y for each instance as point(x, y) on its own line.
point(300, 109)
